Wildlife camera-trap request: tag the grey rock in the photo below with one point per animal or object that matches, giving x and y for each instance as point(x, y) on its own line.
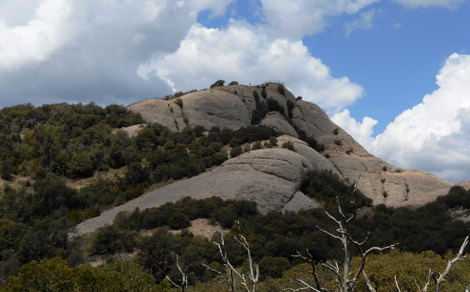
point(298, 202)
point(209, 108)
point(270, 177)
point(164, 112)
point(233, 106)
point(318, 161)
point(279, 123)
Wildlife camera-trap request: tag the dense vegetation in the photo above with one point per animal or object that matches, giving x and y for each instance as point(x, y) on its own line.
point(54, 145)
point(274, 237)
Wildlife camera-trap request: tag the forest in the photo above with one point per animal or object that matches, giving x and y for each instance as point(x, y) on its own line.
point(46, 150)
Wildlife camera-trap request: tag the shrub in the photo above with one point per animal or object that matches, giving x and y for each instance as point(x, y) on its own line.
point(6, 169)
point(233, 83)
point(236, 151)
point(178, 220)
point(198, 131)
point(282, 89)
point(288, 145)
point(263, 92)
point(218, 83)
point(257, 145)
point(338, 142)
point(273, 105)
point(179, 102)
point(273, 140)
point(336, 131)
point(290, 108)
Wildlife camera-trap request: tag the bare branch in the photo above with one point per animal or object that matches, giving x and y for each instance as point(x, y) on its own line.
point(438, 280)
point(328, 233)
point(306, 287)
point(184, 278)
point(396, 284)
point(369, 285)
point(459, 257)
point(428, 281)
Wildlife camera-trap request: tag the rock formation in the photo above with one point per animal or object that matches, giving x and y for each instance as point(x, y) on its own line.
point(233, 106)
point(273, 177)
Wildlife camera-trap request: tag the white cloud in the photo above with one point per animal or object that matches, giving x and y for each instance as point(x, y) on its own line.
point(361, 131)
point(89, 50)
point(297, 18)
point(246, 54)
point(36, 40)
point(364, 21)
point(433, 135)
point(451, 4)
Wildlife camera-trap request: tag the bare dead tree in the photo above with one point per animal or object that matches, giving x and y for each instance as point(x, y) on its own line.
point(439, 278)
point(184, 278)
point(343, 278)
point(341, 233)
point(229, 280)
point(247, 281)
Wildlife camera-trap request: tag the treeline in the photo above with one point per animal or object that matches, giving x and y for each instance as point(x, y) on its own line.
point(50, 145)
point(273, 237)
point(67, 140)
point(276, 236)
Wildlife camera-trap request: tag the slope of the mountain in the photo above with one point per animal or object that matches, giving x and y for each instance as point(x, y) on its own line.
point(273, 178)
point(270, 177)
point(234, 106)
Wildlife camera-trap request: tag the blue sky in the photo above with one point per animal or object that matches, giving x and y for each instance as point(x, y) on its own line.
point(394, 73)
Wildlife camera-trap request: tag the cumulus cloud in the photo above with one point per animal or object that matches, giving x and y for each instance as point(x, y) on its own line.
point(361, 131)
point(297, 18)
point(433, 135)
point(364, 21)
point(246, 54)
point(37, 39)
point(451, 4)
point(90, 50)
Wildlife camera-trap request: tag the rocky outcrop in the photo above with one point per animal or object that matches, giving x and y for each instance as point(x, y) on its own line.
point(270, 177)
point(279, 123)
point(233, 107)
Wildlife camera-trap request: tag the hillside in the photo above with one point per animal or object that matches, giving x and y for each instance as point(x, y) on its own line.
point(273, 178)
point(237, 106)
point(136, 190)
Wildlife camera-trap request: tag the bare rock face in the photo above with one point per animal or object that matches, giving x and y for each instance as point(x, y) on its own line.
point(464, 184)
point(233, 107)
point(279, 123)
point(215, 107)
point(132, 131)
point(270, 177)
point(164, 112)
point(318, 161)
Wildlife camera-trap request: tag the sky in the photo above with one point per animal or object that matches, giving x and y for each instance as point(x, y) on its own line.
point(395, 74)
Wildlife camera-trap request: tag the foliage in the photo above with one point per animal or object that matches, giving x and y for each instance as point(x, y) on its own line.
point(218, 83)
point(55, 275)
point(261, 109)
point(288, 145)
point(274, 106)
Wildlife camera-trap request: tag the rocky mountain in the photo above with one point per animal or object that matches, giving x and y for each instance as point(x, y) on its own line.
point(273, 177)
